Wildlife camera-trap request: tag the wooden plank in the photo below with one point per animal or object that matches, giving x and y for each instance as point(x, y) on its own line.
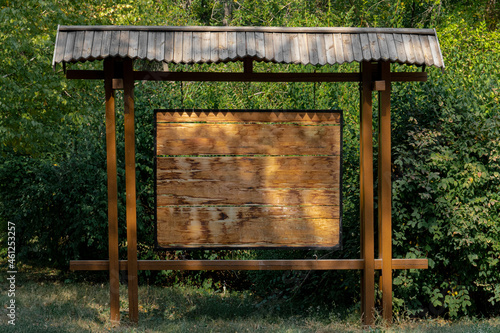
point(269, 46)
point(260, 49)
point(70, 44)
point(60, 47)
point(78, 47)
point(426, 49)
point(133, 46)
point(241, 47)
point(196, 47)
point(214, 47)
point(312, 46)
point(374, 47)
point(210, 265)
point(151, 46)
point(231, 45)
point(384, 192)
point(223, 50)
point(113, 266)
point(114, 48)
point(87, 44)
point(436, 52)
point(365, 47)
point(250, 42)
point(400, 47)
point(192, 196)
point(367, 246)
point(408, 46)
point(384, 49)
point(357, 50)
point(142, 50)
point(187, 48)
point(96, 44)
point(278, 47)
point(246, 139)
point(287, 52)
point(178, 47)
point(320, 39)
point(304, 49)
point(417, 47)
point(294, 49)
point(291, 116)
point(329, 49)
point(130, 188)
point(339, 50)
point(255, 226)
point(160, 46)
point(169, 47)
point(124, 46)
point(391, 46)
point(205, 47)
point(106, 43)
point(347, 47)
point(269, 172)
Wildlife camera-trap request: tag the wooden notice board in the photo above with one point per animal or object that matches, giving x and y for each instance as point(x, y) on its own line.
point(248, 179)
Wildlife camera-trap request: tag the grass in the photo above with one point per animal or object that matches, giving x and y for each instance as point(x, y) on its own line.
point(51, 305)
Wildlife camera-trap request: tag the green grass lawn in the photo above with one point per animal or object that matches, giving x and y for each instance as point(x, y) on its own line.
point(51, 305)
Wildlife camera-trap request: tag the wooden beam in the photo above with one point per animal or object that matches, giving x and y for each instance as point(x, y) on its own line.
point(366, 197)
point(244, 77)
point(384, 191)
point(246, 265)
point(114, 281)
point(130, 188)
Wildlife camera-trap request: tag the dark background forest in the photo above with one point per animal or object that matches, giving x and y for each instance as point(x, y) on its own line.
point(446, 146)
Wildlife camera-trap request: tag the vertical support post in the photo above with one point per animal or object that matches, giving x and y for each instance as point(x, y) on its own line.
point(130, 188)
point(366, 197)
point(384, 191)
point(114, 269)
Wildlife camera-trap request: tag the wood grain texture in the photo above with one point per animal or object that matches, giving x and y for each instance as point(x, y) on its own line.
point(277, 172)
point(284, 191)
point(245, 139)
point(248, 226)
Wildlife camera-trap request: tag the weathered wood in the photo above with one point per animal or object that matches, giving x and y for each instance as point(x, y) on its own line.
point(321, 49)
point(87, 44)
point(408, 47)
point(436, 51)
point(329, 48)
point(278, 172)
point(246, 139)
point(247, 265)
point(124, 44)
point(142, 50)
point(347, 47)
point(187, 47)
point(260, 49)
point(256, 226)
point(384, 191)
point(400, 47)
point(241, 47)
point(214, 48)
point(313, 49)
point(105, 44)
point(114, 282)
point(114, 47)
point(223, 50)
point(250, 41)
point(294, 49)
point(196, 47)
point(171, 194)
point(278, 47)
point(339, 50)
point(79, 39)
point(269, 47)
point(231, 45)
point(356, 48)
point(366, 197)
point(178, 40)
point(384, 49)
point(133, 46)
point(417, 47)
point(205, 47)
point(130, 188)
point(374, 47)
point(426, 49)
point(160, 46)
point(391, 46)
point(304, 49)
point(97, 43)
point(169, 46)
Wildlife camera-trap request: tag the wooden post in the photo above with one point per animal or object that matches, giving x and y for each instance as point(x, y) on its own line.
point(128, 83)
point(114, 269)
point(366, 197)
point(384, 191)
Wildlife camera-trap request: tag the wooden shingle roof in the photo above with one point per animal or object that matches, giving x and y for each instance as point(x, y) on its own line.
point(316, 46)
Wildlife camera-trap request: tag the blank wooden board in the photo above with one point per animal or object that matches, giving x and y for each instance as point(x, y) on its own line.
point(248, 179)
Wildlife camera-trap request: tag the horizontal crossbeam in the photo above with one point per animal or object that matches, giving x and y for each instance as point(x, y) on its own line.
point(245, 77)
point(247, 265)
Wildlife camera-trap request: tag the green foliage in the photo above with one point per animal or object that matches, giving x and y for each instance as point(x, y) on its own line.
point(446, 149)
